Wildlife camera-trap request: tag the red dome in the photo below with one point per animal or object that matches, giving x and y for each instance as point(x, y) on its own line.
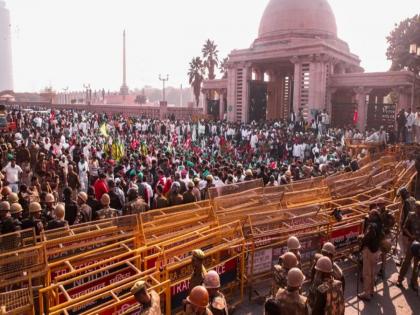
point(298, 16)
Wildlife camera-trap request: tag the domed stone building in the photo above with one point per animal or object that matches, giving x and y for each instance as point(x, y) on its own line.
point(298, 64)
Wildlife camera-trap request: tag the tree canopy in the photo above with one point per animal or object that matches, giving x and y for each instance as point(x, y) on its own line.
point(399, 40)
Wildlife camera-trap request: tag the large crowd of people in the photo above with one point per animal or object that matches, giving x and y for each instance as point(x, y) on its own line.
point(65, 167)
point(96, 166)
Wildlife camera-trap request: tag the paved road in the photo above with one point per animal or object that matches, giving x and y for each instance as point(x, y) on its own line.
point(388, 300)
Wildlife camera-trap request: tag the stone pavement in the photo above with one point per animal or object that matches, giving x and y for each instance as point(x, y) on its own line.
point(389, 299)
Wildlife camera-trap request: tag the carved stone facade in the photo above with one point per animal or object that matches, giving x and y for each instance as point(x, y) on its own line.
point(301, 65)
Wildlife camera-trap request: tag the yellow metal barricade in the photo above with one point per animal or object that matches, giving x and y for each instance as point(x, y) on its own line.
point(165, 227)
point(17, 240)
point(80, 239)
point(16, 297)
point(94, 279)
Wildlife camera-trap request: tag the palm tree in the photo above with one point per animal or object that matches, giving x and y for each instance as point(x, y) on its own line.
point(196, 77)
point(211, 59)
point(224, 67)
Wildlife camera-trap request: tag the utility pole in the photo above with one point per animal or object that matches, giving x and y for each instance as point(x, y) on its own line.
point(164, 80)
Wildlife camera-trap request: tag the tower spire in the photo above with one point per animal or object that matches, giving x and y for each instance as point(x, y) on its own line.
point(124, 88)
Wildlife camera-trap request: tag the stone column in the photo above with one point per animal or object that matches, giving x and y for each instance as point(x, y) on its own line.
point(221, 104)
point(297, 82)
point(247, 76)
point(330, 93)
point(361, 93)
point(404, 97)
point(231, 94)
point(318, 83)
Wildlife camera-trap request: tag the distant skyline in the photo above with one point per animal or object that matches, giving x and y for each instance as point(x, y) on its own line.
point(68, 43)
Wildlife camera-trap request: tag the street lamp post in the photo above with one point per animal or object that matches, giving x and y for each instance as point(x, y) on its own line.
point(164, 80)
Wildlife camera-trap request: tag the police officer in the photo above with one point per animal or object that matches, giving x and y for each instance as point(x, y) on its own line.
point(408, 206)
point(6, 222)
point(290, 300)
point(388, 222)
point(106, 212)
point(149, 299)
point(293, 245)
point(85, 211)
point(288, 261)
point(16, 212)
point(48, 213)
point(218, 304)
point(135, 203)
point(328, 250)
point(189, 196)
point(411, 230)
point(370, 252)
point(197, 302)
point(34, 220)
point(5, 191)
point(199, 271)
point(329, 297)
point(58, 221)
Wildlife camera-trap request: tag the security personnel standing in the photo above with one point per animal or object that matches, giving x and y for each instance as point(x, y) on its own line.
point(290, 301)
point(370, 252)
point(388, 221)
point(409, 205)
point(58, 221)
point(6, 222)
point(106, 212)
point(328, 250)
point(197, 302)
point(199, 271)
point(16, 212)
point(218, 304)
point(288, 261)
point(149, 299)
point(34, 220)
point(411, 230)
point(293, 245)
point(329, 297)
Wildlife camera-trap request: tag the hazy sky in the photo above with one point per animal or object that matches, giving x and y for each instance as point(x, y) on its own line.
point(66, 43)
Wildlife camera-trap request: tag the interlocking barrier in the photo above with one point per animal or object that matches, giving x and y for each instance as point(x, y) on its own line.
point(227, 190)
point(71, 289)
point(167, 226)
point(16, 296)
point(89, 268)
point(17, 240)
point(67, 242)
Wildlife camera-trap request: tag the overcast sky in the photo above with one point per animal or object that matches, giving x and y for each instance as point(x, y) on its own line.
point(66, 43)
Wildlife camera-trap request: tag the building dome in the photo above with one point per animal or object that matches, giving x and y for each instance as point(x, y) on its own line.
point(309, 17)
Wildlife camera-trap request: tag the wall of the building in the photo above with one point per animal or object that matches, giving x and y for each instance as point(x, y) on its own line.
point(6, 72)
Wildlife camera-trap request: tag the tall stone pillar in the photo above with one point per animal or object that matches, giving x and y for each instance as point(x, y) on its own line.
point(362, 109)
point(247, 76)
point(404, 97)
point(297, 83)
point(318, 83)
point(221, 104)
point(231, 94)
